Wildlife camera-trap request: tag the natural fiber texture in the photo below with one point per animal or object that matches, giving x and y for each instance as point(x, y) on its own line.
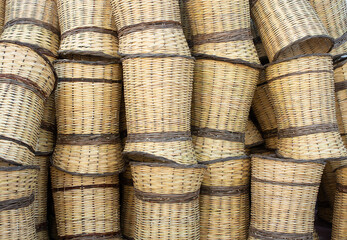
point(33, 22)
point(2, 14)
point(263, 108)
point(222, 28)
point(87, 28)
point(158, 92)
point(86, 206)
point(26, 80)
point(166, 200)
point(88, 101)
point(302, 89)
point(222, 97)
point(185, 22)
point(340, 205)
point(16, 202)
point(333, 14)
point(149, 26)
point(289, 27)
point(284, 194)
point(259, 45)
point(253, 137)
point(224, 200)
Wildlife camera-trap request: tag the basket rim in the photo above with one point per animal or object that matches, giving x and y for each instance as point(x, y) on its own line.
point(99, 62)
point(282, 159)
point(170, 165)
point(340, 63)
point(63, 53)
point(243, 157)
point(19, 168)
point(86, 174)
point(131, 154)
point(339, 168)
point(153, 55)
point(297, 57)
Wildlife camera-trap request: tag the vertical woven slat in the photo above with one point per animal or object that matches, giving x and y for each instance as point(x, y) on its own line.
point(2, 14)
point(253, 137)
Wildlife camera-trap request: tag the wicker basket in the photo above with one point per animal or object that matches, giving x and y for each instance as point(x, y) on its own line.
point(289, 27)
point(16, 202)
point(222, 28)
point(166, 200)
point(224, 199)
point(333, 14)
point(149, 26)
point(259, 45)
point(86, 206)
point(2, 15)
point(158, 90)
point(185, 23)
point(302, 89)
point(340, 205)
point(253, 137)
point(26, 80)
point(284, 193)
point(88, 101)
point(87, 28)
point(222, 96)
point(33, 22)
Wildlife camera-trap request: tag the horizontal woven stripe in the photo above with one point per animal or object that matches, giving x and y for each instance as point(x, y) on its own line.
point(91, 235)
point(270, 133)
point(159, 137)
point(341, 188)
point(223, 190)
point(88, 29)
point(87, 139)
point(299, 73)
point(30, 148)
point(306, 130)
point(339, 86)
point(218, 134)
point(47, 126)
point(254, 179)
point(219, 37)
point(148, 25)
point(341, 40)
point(33, 21)
point(166, 198)
point(82, 187)
point(267, 235)
point(92, 80)
point(16, 203)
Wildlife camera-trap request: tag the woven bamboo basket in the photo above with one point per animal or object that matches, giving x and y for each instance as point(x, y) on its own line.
point(2, 15)
point(149, 26)
point(253, 137)
point(263, 108)
point(333, 14)
point(122, 122)
point(284, 193)
point(224, 199)
point(158, 90)
point(340, 205)
point(87, 28)
point(167, 200)
point(302, 89)
point(26, 80)
point(222, 28)
point(128, 216)
point(259, 45)
point(289, 27)
point(185, 23)
point(222, 97)
point(340, 123)
point(87, 103)
point(86, 206)
point(34, 23)
point(16, 202)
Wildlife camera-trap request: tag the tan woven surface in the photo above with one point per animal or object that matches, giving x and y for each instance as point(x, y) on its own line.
point(2, 15)
point(33, 22)
point(26, 80)
point(289, 27)
point(185, 22)
point(253, 137)
point(259, 45)
point(158, 94)
point(222, 28)
point(340, 74)
point(284, 194)
point(302, 89)
point(88, 101)
point(86, 206)
point(87, 28)
point(16, 200)
point(222, 96)
point(166, 200)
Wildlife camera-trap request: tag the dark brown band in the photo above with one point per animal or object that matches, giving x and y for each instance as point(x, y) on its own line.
point(267, 235)
point(166, 198)
point(41, 227)
point(339, 86)
point(306, 130)
point(87, 139)
point(44, 154)
point(341, 63)
point(341, 188)
point(223, 191)
point(159, 137)
point(16, 203)
point(91, 236)
point(270, 133)
point(340, 40)
point(47, 126)
point(91, 80)
point(153, 55)
point(218, 134)
point(89, 29)
point(23, 82)
point(148, 25)
point(299, 73)
point(82, 187)
point(218, 160)
point(292, 184)
point(220, 37)
point(30, 148)
point(33, 21)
